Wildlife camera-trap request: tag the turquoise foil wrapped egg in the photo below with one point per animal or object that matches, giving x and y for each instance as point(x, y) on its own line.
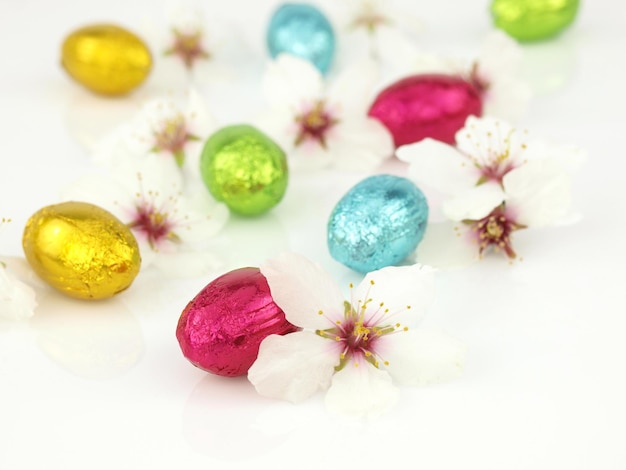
point(377, 223)
point(302, 30)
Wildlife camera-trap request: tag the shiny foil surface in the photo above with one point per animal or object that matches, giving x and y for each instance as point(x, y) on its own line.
point(106, 59)
point(378, 223)
point(81, 250)
point(533, 20)
point(245, 169)
point(221, 329)
point(429, 105)
point(302, 30)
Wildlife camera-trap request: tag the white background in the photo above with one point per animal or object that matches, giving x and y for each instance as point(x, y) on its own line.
point(104, 385)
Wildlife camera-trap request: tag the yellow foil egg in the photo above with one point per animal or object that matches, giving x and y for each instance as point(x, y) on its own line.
point(81, 250)
point(106, 59)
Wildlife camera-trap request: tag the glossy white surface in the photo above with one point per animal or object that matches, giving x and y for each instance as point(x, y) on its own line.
point(104, 385)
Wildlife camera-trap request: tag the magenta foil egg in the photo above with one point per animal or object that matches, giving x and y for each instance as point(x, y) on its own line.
point(221, 329)
point(429, 105)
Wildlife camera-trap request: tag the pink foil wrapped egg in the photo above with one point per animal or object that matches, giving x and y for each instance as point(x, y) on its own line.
point(428, 105)
point(221, 329)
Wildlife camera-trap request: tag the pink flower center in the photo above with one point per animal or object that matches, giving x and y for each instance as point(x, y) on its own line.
point(496, 171)
point(188, 47)
point(359, 331)
point(153, 224)
point(494, 157)
point(494, 231)
point(172, 137)
point(314, 124)
point(370, 20)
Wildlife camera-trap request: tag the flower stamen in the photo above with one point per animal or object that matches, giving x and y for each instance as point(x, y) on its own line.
point(188, 47)
point(359, 332)
point(155, 223)
point(171, 136)
point(314, 124)
point(494, 231)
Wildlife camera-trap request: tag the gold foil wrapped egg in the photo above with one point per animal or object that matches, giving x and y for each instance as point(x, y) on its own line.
point(106, 59)
point(81, 250)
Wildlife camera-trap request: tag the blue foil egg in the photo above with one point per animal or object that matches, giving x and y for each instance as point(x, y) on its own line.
point(302, 30)
point(377, 223)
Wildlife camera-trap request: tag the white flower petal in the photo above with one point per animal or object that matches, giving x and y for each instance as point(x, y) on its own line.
point(353, 88)
point(204, 217)
point(201, 125)
point(395, 47)
point(405, 291)
point(293, 367)
point(119, 145)
point(499, 55)
point(486, 138)
point(439, 166)
point(499, 66)
point(18, 267)
point(475, 203)
point(539, 193)
point(201, 121)
point(90, 117)
point(290, 80)
point(280, 125)
point(421, 356)
point(170, 71)
point(430, 63)
point(302, 289)
point(101, 191)
point(447, 245)
point(360, 144)
point(185, 18)
point(309, 156)
point(507, 98)
point(362, 391)
point(570, 157)
point(17, 300)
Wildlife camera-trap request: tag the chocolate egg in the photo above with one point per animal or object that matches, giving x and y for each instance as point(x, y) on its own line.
point(302, 30)
point(532, 20)
point(81, 250)
point(245, 169)
point(221, 329)
point(106, 59)
point(378, 223)
point(428, 105)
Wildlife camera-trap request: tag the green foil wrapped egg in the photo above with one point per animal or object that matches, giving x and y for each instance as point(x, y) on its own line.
point(245, 169)
point(533, 20)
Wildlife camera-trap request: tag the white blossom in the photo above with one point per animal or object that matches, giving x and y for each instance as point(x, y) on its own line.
point(320, 125)
point(497, 181)
point(171, 227)
point(355, 349)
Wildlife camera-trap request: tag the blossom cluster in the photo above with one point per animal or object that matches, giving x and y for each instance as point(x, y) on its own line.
point(497, 181)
